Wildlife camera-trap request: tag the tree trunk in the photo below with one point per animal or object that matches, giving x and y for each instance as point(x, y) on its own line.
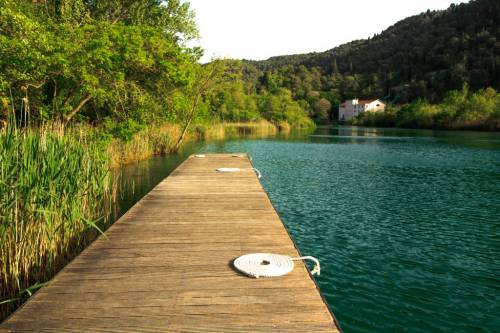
point(77, 109)
point(203, 87)
point(187, 124)
point(72, 93)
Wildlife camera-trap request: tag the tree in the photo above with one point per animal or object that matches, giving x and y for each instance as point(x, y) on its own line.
point(335, 67)
point(173, 17)
point(60, 67)
point(204, 82)
point(321, 110)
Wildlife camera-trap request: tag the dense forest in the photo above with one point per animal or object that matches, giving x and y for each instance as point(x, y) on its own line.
point(424, 56)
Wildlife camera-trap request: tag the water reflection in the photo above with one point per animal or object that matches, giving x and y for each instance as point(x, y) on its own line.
point(134, 181)
point(354, 134)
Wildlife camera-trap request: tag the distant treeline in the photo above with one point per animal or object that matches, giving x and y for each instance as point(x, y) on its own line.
point(424, 56)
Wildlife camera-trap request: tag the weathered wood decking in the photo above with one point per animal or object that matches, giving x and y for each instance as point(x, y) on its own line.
point(165, 266)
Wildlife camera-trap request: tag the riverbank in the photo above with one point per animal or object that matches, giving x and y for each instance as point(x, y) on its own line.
point(460, 110)
point(59, 191)
point(162, 139)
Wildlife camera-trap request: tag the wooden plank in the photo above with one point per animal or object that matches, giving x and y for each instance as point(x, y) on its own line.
point(166, 265)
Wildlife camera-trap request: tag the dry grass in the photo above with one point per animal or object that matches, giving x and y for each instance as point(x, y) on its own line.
point(284, 127)
point(161, 139)
point(221, 131)
point(155, 140)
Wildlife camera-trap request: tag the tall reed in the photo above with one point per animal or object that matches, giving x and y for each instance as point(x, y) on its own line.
point(158, 139)
point(53, 189)
point(253, 129)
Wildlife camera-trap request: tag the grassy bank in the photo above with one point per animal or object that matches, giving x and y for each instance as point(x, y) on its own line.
point(161, 139)
point(153, 140)
point(460, 110)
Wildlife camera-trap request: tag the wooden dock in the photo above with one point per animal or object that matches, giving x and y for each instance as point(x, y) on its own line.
point(165, 266)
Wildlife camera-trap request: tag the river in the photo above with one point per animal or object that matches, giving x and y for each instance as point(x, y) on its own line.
point(406, 223)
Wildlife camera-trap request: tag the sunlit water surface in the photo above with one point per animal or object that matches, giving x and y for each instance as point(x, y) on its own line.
point(406, 223)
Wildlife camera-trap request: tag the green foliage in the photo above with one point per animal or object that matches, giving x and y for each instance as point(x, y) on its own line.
point(322, 109)
point(124, 130)
point(459, 110)
point(234, 99)
point(231, 99)
point(282, 107)
point(172, 17)
point(123, 60)
point(71, 62)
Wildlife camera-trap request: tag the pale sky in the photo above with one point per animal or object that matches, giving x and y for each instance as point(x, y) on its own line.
point(259, 29)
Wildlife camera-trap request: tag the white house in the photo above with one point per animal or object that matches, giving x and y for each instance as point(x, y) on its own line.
point(354, 107)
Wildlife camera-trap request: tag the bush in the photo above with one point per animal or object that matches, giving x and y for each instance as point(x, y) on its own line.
point(124, 131)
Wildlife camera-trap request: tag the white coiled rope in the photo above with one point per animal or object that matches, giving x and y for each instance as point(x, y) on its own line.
point(229, 169)
point(235, 155)
point(259, 175)
point(270, 265)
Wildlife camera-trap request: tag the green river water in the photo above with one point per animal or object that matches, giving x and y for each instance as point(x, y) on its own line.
point(406, 223)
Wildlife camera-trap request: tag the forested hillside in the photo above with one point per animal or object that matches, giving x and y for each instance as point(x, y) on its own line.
point(423, 56)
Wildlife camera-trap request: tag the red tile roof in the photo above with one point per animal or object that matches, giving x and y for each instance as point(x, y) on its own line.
point(366, 101)
point(363, 102)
